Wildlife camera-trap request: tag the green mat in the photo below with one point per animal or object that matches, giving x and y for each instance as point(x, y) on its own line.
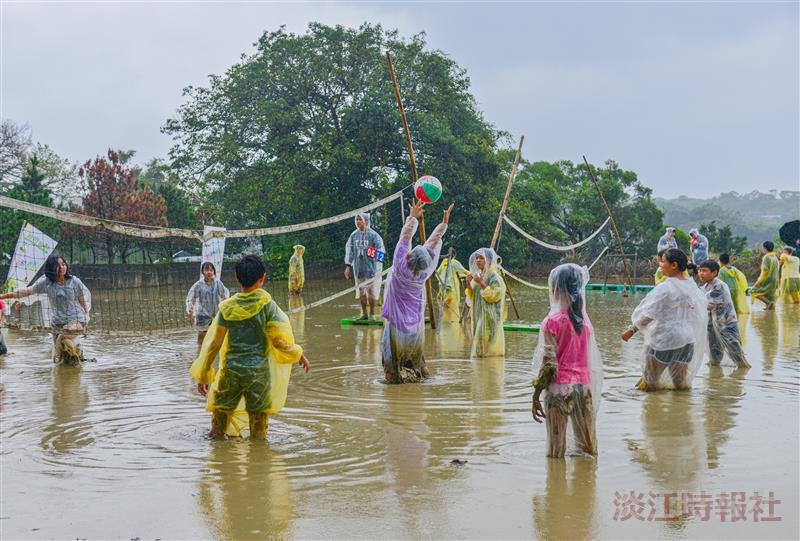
point(355, 321)
point(513, 326)
point(617, 287)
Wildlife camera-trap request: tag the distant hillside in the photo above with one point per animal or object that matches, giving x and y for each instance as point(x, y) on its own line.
point(756, 215)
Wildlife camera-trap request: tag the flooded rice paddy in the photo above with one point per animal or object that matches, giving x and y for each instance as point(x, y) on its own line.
point(117, 448)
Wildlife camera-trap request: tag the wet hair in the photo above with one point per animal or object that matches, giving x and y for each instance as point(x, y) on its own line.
point(568, 282)
point(51, 267)
point(768, 245)
point(709, 264)
point(724, 258)
point(207, 264)
point(677, 256)
point(788, 250)
point(249, 269)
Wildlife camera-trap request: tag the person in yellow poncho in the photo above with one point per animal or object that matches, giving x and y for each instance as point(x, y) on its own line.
point(450, 273)
point(297, 271)
point(257, 350)
point(736, 282)
point(790, 276)
point(766, 287)
point(488, 301)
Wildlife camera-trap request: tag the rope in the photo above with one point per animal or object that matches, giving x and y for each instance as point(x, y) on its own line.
point(155, 232)
point(336, 295)
point(598, 257)
point(521, 281)
point(553, 246)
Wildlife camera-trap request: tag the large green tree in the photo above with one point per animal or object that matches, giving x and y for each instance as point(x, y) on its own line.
point(558, 202)
point(307, 127)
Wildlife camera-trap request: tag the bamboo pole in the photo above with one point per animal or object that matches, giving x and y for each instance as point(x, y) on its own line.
point(613, 227)
point(499, 224)
point(413, 162)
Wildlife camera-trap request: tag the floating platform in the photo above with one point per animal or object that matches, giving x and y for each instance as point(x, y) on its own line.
point(518, 326)
point(617, 287)
point(346, 322)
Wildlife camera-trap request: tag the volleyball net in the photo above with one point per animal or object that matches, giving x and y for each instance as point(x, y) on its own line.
point(138, 276)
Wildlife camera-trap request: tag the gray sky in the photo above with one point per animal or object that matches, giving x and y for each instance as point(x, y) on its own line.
point(696, 98)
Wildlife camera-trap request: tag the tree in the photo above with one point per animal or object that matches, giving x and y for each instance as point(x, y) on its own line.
point(113, 193)
point(558, 202)
point(722, 239)
point(15, 142)
point(308, 127)
point(30, 188)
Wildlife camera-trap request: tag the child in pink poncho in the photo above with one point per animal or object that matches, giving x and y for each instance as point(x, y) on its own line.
point(568, 365)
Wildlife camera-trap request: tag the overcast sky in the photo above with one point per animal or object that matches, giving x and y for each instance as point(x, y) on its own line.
point(697, 98)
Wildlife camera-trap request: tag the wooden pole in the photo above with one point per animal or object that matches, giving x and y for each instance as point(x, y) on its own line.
point(613, 227)
point(499, 224)
point(508, 194)
point(413, 162)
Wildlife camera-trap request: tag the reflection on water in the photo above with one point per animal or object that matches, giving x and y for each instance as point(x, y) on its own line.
point(245, 492)
point(352, 457)
point(568, 507)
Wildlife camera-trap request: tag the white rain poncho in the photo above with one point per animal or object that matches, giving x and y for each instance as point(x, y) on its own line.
point(567, 365)
point(673, 317)
point(357, 255)
point(404, 304)
point(666, 241)
point(723, 325)
point(203, 301)
point(699, 247)
point(488, 338)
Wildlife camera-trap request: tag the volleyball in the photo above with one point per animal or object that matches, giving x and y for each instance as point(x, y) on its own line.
point(428, 189)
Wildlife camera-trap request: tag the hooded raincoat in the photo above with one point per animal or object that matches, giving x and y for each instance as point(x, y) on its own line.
point(768, 282)
point(666, 242)
point(488, 338)
point(356, 255)
point(737, 285)
point(404, 303)
point(450, 273)
point(674, 318)
point(567, 364)
point(723, 325)
point(297, 271)
point(256, 359)
point(790, 278)
point(699, 247)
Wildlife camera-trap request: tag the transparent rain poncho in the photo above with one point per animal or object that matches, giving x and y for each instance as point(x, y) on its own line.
point(567, 364)
point(65, 307)
point(790, 278)
point(297, 272)
point(723, 325)
point(450, 273)
point(364, 266)
point(673, 317)
point(699, 247)
point(768, 283)
point(404, 303)
point(254, 372)
point(666, 242)
point(737, 285)
point(488, 338)
point(203, 300)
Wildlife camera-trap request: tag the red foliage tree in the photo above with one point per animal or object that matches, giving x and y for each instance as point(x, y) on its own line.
point(113, 193)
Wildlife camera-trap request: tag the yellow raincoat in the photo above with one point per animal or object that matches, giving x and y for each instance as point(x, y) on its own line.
point(452, 288)
point(297, 271)
point(790, 278)
point(737, 284)
point(488, 337)
point(279, 351)
point(660, 277)
point(766, 287)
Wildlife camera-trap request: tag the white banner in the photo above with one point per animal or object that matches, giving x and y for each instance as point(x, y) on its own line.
point(33, 248)
point(214, 249)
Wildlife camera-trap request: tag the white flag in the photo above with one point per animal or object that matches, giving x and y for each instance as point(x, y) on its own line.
point(214, 249)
